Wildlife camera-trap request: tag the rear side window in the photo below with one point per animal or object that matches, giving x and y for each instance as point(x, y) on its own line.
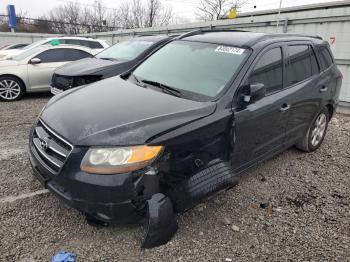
point(326, 59)
point(302, 65)
point(269, 70)
point(71, 42)
point(75, 54)
point(87, 43)
point(94, 45)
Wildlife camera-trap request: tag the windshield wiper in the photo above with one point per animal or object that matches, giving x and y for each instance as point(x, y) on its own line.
point(166, 88)
point(107, 58)
point(138, 81)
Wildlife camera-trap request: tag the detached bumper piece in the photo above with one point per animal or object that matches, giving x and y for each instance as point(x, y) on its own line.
point(161, 221)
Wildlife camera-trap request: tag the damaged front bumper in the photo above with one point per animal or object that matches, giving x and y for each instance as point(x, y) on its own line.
point(115, 199)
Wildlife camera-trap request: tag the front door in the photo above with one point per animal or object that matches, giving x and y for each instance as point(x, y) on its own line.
point(261, 125)
point(40, 75)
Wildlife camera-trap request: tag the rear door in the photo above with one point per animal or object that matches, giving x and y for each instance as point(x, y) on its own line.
point(40, 75)
point(303, 84)
point(260, 126)
point(329, 73)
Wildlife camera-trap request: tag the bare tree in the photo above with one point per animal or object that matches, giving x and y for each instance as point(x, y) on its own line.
point(209, 10)
point(139, 14)
point(74, 18)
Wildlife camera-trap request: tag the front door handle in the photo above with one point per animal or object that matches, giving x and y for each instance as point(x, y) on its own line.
point(284, 107)
point(323, 89)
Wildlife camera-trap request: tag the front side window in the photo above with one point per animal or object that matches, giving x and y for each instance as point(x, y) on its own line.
point(127, 50)
point(193, 67)
point(269, 71)
point(62, 55)
point(52, 56)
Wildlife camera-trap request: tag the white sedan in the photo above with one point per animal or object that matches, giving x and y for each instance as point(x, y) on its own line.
point(96, 45)
point(31, 71)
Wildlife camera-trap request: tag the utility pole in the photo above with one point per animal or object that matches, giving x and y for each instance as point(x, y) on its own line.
point(278, 16)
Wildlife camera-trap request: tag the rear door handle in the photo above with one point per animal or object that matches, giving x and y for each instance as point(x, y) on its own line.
point(284, 107)
point(323, 89)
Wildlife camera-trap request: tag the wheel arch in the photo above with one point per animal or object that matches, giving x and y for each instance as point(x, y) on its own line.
point(330, 109)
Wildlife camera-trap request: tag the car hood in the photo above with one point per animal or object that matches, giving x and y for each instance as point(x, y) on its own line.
point(6, 63)
point(10, 53)
point(114, 112)
point(85, 66)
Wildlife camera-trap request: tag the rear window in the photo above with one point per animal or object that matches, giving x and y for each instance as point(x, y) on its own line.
point(325, 57)
point(302, 63)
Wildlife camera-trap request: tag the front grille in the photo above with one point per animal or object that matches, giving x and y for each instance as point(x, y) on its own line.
point(62, 82)
point(52, 149)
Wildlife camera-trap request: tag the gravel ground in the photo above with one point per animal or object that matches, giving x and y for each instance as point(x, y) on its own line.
point(309, 219)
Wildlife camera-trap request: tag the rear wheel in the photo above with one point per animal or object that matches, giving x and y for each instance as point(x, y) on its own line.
point(315, 133)
point(11, 89)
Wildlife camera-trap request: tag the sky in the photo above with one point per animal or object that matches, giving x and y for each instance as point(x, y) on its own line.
point(184, 8)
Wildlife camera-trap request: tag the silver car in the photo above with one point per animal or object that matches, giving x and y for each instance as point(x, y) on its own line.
point(31, 71)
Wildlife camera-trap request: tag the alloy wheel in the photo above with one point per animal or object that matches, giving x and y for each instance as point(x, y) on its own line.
point(319, 129)
point(9, 89)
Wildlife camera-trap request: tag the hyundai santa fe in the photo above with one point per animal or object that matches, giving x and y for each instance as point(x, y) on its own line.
point(183, 124)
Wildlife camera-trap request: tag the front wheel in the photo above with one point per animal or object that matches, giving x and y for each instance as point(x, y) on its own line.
point(315, 133)
point(11, 89)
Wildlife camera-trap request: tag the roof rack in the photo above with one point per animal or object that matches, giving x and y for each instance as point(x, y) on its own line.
point(201, 31)
point(300, 35)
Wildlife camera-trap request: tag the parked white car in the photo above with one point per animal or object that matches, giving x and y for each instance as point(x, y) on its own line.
point(13, 46)
point(32, 70)
point(96, 45)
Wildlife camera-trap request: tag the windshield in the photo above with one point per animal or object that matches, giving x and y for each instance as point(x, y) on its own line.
point(195, 67)
point(40, 42)
point(127, 50)
point(27, 53)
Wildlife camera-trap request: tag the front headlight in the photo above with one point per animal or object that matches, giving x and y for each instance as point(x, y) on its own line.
point(119, 159)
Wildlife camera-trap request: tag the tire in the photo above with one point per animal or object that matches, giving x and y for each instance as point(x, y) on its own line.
point(214, 178)
point(315, 133)
point(11, 89)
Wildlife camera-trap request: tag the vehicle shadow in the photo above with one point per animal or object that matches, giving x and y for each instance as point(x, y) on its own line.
point(30, 96)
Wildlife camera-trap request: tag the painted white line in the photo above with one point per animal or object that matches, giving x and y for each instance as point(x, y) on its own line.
point(11, 199)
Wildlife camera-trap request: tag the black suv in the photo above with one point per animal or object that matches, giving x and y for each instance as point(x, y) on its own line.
point(110, 62)
point(183, 124)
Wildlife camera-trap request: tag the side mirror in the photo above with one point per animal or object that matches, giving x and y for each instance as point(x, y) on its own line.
point(35, 60)
point(253, 92)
